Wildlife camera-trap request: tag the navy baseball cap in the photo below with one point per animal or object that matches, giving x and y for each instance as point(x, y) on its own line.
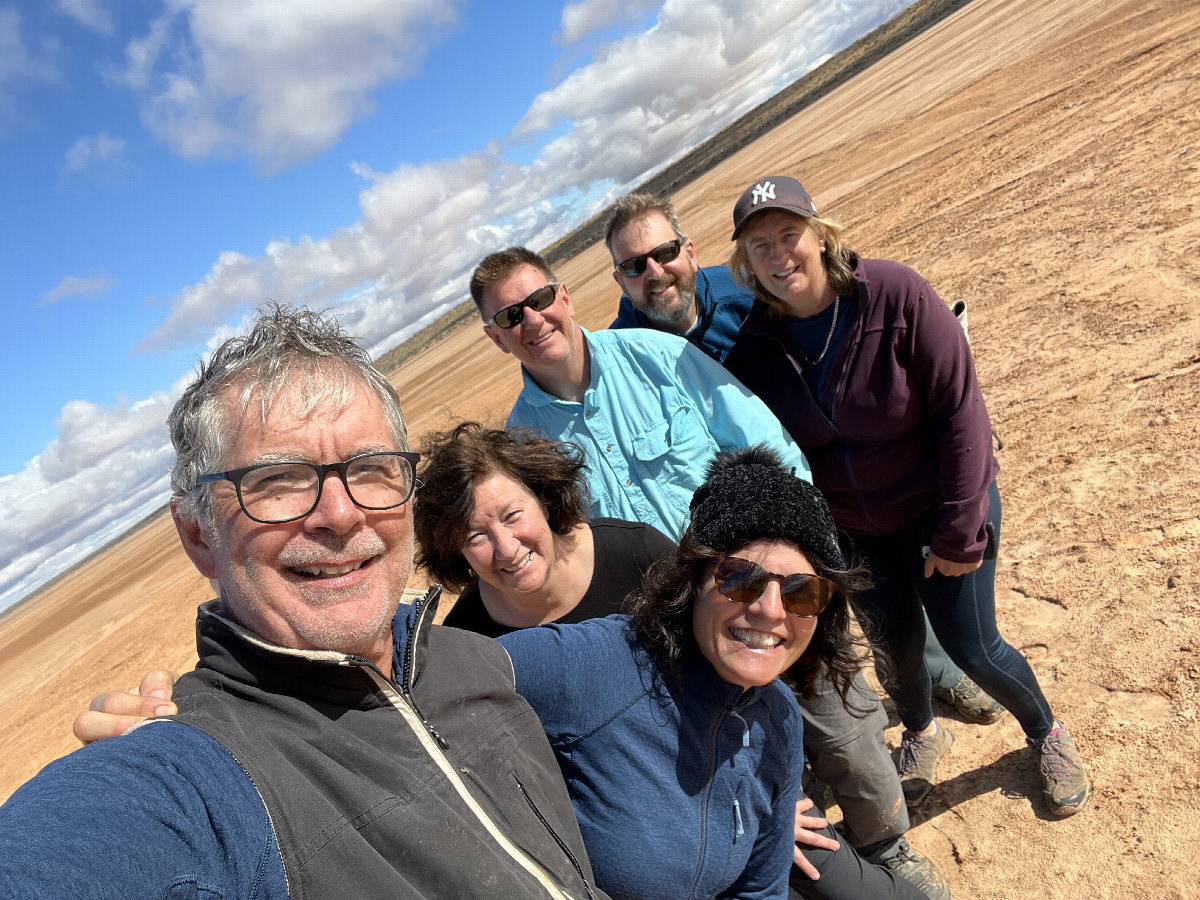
point(772, 192)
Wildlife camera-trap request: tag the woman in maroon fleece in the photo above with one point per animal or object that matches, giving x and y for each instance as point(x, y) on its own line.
point(870, 372)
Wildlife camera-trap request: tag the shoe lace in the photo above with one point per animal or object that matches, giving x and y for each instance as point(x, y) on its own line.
point(963, 691)
point(911, 746)
point(1054, 763)
point(904, 854)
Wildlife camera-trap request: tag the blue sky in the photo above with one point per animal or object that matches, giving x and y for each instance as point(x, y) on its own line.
point(165, 166)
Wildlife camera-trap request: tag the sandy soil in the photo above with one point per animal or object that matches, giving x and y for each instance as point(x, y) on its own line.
point(1042, 161)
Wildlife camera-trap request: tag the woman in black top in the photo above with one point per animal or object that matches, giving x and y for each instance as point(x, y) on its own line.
point(500, 517)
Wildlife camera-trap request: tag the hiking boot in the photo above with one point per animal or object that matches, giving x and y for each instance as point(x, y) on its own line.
point(1064, 783)
point(969, 701)
point(917, 869)
point(918, 758)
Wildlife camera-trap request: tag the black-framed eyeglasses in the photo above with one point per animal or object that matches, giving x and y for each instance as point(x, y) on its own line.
point(662, 254)
point(276, 492)
point(742, 581)
point(538, 300)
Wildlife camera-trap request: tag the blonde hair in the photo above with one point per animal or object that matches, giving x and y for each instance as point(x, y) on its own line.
point(837, 258)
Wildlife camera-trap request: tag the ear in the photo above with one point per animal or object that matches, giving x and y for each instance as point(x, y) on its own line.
point(566, 301)
point(620, 282)
point(690, 249)
point(491, 331)
point(197, 543)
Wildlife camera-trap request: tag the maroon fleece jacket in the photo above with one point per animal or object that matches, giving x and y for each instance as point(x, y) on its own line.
point(900, 436)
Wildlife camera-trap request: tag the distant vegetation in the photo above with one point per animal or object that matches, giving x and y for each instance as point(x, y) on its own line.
point(835, 71)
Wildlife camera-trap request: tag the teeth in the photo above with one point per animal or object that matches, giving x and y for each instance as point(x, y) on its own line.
point(327, 571)
point(756, 640)
point(522, 564)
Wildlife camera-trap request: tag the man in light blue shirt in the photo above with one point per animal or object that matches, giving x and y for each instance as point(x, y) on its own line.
point(648, 409)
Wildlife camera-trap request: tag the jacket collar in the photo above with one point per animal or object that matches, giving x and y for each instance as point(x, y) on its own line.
point(232, 650)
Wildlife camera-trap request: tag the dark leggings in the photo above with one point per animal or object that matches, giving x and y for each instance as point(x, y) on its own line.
point(962, 611)
point(845, 875)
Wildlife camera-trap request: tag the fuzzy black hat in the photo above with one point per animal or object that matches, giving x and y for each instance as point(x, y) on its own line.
point(749, 494)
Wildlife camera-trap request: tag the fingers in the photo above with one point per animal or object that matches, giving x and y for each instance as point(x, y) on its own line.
point(123, 703)
point(808, 830)
point(114, 712)
point(157, 683)
point(816, 839)
point(804, 865)
point(92, 726)
point(947, 567)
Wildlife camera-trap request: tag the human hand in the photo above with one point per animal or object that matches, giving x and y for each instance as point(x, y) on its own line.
point(808, 832)
point(115, 712)
point(947, 567)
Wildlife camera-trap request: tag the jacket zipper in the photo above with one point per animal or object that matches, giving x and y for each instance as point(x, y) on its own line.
point(855, 337)
point(434, 744)
point(554, 834)
point(708, 784)
point(274, 834)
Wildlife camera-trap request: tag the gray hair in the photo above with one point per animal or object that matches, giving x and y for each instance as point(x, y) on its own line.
point(287, 347)
point(634, 206)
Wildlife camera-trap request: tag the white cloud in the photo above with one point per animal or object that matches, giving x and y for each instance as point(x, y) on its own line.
point(90, 150)
point(630, 111)
point(91, 14)
point(640, 103)
point(20, 63)
point(106, 469)
point(272, 78)
point(589, 16)
point(73, 286)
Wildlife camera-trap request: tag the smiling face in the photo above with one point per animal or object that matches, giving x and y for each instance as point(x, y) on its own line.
point(510, 545)
point(543, 342)
point(331, 580)
point(664, 293)
point(784, 253)
point(751, 644)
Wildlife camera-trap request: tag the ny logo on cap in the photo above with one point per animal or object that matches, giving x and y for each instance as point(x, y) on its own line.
point(763, 191)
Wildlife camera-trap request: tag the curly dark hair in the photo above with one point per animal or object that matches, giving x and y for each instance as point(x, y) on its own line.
point(749, 494)
point(455, 461)
point(661, 609)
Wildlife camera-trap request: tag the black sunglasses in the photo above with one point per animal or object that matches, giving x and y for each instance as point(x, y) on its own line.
point(742, 581)
point(538, 300)
point(662, 254)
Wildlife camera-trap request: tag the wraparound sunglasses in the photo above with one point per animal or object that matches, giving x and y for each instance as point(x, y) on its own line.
point(538, 300)
point(662, 254)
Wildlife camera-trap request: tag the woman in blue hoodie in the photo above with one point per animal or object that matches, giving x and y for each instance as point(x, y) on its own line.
point(680, 744)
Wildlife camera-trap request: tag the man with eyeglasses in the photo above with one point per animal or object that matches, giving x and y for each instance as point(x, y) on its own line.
point(648, 409)
point(331, 742)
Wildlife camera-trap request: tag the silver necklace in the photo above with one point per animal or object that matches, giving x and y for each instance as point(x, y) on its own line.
point(828, 337)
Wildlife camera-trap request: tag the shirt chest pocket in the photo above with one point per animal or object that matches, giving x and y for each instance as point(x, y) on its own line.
point(675, 447)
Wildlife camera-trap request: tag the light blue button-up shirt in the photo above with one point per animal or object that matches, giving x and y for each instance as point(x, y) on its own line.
point(655, 412)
